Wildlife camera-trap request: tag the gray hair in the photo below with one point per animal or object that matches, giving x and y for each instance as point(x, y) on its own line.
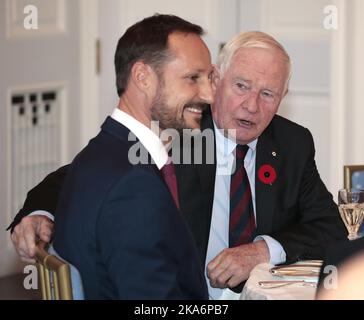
point(251, 39)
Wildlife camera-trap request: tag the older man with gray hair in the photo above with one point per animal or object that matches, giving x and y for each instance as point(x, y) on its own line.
point(274, 206)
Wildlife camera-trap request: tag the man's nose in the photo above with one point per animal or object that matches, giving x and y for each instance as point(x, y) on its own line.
point(205, 93)
point(251, 103)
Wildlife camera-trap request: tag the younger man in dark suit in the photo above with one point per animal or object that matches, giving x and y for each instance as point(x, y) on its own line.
point(116, 221)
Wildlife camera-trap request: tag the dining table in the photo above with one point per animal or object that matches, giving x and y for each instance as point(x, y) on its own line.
point(289, 282)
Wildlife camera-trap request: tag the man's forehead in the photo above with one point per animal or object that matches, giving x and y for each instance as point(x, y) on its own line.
point(191, 49)
point(186, 43)
point(261, 60)
point(248, 54)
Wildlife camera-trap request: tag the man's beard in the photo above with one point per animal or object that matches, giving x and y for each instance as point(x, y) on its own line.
point(166, 115)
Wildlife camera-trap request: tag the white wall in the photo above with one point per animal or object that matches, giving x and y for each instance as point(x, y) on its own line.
point(347, 87)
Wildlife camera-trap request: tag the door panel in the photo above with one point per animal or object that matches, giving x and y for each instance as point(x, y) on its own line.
point(34, 63)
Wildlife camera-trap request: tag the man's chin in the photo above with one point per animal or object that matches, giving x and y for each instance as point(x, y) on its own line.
point(186, 125)
point(192, 119)
point(192, 122)
point(244, 139)
point(194, 125)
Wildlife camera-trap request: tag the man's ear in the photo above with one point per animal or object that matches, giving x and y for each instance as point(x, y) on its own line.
point(142, 76)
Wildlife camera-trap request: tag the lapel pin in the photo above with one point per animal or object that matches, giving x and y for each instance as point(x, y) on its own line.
point(274, 154)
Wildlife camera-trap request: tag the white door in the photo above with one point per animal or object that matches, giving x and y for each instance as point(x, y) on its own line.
point(39, 101)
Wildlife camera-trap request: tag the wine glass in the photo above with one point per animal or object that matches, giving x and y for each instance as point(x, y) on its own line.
point(351, 207)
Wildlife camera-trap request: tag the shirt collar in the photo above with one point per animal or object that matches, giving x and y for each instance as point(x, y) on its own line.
point(225, 146)
point(147, 137)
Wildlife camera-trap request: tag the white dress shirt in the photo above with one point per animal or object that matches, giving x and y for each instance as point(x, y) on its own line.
point(219, 230)
point(147, 138)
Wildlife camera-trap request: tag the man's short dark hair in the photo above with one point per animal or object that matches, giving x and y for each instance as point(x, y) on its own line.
point(147, 41)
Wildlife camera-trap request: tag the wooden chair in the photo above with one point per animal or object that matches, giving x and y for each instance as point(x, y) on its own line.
point(54, 275)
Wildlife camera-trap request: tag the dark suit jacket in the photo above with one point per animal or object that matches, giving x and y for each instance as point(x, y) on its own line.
point(118, 225)
point(297, 210)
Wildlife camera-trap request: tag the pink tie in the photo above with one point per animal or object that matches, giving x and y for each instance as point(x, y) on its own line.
point(170, 179)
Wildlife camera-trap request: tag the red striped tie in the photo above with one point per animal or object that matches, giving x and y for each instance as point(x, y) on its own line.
point(170, 179)
point(242, 221)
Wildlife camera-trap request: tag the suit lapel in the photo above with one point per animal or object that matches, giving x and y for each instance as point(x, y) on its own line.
point(122, 133)
point(267, 160)
point(207, 172)
point(115, 128)
point(196, 183)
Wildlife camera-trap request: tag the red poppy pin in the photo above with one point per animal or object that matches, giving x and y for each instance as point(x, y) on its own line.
point(267, 174)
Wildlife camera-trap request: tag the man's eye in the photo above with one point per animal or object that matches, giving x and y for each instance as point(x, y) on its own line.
point(194, 78)
point(241, 86)
point(267, 94)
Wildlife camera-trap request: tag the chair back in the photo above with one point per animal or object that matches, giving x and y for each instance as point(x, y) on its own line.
point(59, 280)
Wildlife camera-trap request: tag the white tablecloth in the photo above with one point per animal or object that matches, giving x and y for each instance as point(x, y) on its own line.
point(252, 290)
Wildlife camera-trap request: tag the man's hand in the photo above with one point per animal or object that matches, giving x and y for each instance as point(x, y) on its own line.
point(27, 232)
point(233, 265)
